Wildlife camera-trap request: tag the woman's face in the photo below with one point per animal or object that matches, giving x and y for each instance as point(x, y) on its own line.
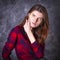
point(35, 18)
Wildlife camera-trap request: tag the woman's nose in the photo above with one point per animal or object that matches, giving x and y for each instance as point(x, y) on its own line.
point(35, 20)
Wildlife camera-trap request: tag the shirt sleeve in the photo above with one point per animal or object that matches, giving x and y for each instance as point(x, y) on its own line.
point(9, 45)
point(38, 49)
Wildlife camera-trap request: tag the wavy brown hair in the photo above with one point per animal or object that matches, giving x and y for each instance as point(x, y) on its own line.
point(41, 31)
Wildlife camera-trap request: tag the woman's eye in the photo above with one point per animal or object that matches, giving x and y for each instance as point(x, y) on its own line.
point(40, 18)
point(33, 15)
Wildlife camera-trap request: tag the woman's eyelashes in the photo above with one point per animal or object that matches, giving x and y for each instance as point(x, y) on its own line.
point(33, 15)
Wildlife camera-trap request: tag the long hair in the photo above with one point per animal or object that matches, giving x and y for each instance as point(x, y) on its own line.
point(41, 31)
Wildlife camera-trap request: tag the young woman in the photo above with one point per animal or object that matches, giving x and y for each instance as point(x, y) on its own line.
point(29, 37)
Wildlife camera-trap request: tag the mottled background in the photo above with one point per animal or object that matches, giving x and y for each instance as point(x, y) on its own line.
point(12, 13)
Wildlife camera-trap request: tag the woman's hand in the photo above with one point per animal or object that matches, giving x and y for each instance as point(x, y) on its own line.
point(30, 35)
point(27, 27)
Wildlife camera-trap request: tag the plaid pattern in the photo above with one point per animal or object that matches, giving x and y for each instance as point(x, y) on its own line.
point(19, 40)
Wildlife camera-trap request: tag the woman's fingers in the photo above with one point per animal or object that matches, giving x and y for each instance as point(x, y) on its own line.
point(27, 22)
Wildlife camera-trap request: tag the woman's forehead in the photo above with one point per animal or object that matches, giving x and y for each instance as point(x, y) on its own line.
point(37, 13)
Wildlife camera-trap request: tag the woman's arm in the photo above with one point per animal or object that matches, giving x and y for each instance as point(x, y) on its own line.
point(37, 48)
point(31, 37)
point(9, 45)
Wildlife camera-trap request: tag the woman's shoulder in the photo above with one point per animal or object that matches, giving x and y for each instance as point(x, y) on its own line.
point(17, 29)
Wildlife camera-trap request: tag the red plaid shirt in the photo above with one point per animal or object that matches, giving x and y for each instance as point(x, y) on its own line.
point(19, 40)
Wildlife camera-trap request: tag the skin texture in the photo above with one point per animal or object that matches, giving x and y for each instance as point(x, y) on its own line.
point(34, 20)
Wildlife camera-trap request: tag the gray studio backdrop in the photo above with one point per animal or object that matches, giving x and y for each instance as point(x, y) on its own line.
point(12, 13)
